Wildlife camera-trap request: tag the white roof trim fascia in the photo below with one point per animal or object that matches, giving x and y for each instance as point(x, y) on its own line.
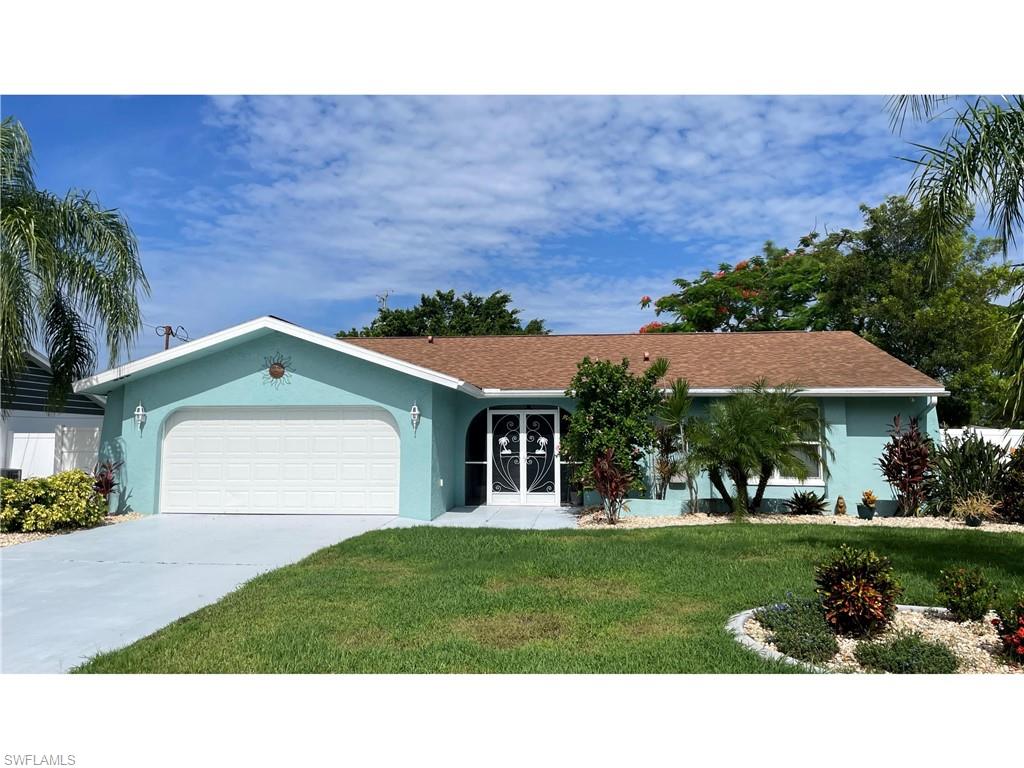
point(841, 391)
point(273, 324)
point(492, 392)
point(43, 363)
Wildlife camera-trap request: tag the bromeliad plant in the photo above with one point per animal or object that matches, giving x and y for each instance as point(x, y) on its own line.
point(858, 591)
point(905, 465)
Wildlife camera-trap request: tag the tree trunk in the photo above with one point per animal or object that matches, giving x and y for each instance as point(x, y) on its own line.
point(715, 473)
point(767, 470)
point(739, 479)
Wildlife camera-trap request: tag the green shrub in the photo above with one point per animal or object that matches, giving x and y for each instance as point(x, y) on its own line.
point(798, 628)
point(858, 591)
point(907, 654)
point(966, 593)
point(963, 467)
point(64, 500)
point(806, 503)
point(1010, 488)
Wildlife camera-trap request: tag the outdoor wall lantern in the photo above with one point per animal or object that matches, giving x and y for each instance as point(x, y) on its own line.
point(140, 416)
point(414, 417)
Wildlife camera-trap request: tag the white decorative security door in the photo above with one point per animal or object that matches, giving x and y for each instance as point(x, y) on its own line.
point(522, 465)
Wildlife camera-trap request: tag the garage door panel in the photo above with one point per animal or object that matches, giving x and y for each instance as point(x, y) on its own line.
point(281, 461)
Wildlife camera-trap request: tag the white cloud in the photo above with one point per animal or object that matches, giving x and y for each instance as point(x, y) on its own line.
point(343, 198)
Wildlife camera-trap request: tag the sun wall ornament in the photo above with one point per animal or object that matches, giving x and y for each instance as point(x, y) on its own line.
point(277, 369)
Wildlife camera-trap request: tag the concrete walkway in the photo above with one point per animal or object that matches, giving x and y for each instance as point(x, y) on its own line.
point(66, 598)
point(536, 518)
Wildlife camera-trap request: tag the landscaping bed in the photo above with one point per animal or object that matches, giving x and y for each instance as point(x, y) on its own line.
point(975, 644)
point(9, 539)
point(853, 624)
point(595, 518)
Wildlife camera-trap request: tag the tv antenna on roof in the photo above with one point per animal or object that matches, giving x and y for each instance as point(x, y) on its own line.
point(169, 332)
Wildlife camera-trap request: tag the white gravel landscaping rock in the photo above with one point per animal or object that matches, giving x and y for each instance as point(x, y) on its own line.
point(595, 519)
point(10, 539)
point(975, 643)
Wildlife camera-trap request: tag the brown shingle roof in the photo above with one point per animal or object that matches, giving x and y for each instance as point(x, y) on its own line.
point(707, 360)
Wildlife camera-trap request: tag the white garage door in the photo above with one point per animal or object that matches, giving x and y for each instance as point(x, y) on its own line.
point(297, 461)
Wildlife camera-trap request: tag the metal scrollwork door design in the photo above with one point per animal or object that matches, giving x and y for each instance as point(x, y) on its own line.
point(540, 454)
point(505, 455)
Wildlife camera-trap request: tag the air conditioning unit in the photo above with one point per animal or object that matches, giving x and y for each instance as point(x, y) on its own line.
point(9, 473)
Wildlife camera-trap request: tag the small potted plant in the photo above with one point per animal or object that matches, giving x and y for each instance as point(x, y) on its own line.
point(866, 508)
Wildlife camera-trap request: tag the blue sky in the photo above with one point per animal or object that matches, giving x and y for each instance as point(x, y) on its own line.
point(308, 208)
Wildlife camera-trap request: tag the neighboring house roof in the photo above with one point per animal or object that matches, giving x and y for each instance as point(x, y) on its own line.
point(490, 366)
point(32, 386)
point(822, 360)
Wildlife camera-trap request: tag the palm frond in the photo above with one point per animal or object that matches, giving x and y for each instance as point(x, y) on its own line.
point(69, 346)
point(15, 158)
point(921, 107)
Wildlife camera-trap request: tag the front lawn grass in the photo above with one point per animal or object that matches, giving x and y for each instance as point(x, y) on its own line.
point(464, 600)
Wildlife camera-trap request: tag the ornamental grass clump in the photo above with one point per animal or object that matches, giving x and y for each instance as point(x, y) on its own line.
point(907, 654)
point(975, 509)
point(858, 591)
point(966, 593)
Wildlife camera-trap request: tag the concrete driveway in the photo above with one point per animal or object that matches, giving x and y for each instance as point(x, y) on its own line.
point(66, 598)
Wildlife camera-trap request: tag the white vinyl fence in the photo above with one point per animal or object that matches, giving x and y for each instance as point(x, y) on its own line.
point(1009, 438)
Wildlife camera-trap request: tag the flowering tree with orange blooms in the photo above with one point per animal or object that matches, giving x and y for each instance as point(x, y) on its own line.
point(770, 292)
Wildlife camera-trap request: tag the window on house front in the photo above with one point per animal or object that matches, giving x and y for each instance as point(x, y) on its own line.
point(809, 453)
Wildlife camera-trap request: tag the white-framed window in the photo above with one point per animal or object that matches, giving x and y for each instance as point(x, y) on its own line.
point(810, 454)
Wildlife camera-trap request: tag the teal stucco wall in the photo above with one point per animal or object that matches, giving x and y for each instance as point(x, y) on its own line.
point(858, 429)
point(432, 462)
point(317, 377)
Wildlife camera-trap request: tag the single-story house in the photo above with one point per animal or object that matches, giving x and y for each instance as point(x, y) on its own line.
point(36, 442)
point(269, 417)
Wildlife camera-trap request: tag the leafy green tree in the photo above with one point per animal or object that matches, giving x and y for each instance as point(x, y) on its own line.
point(947, 323)
point(879, 282)
point(980, 159)
point(445, 314)
point(70, 271)
point(615, 410)
point(774, 291)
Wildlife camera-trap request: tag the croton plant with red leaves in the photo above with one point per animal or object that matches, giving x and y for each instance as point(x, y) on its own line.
point(1009, 624)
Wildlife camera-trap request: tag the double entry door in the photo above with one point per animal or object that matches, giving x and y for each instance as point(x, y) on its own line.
point(522, 457)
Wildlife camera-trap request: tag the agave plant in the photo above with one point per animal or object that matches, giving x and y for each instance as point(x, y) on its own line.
point(806, 503)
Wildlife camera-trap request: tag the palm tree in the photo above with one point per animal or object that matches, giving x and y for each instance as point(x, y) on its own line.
point(727, 445)
point(70, 271)
point(796, 431)
point(675, 414)
point(980, 159)
point(754, 432)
